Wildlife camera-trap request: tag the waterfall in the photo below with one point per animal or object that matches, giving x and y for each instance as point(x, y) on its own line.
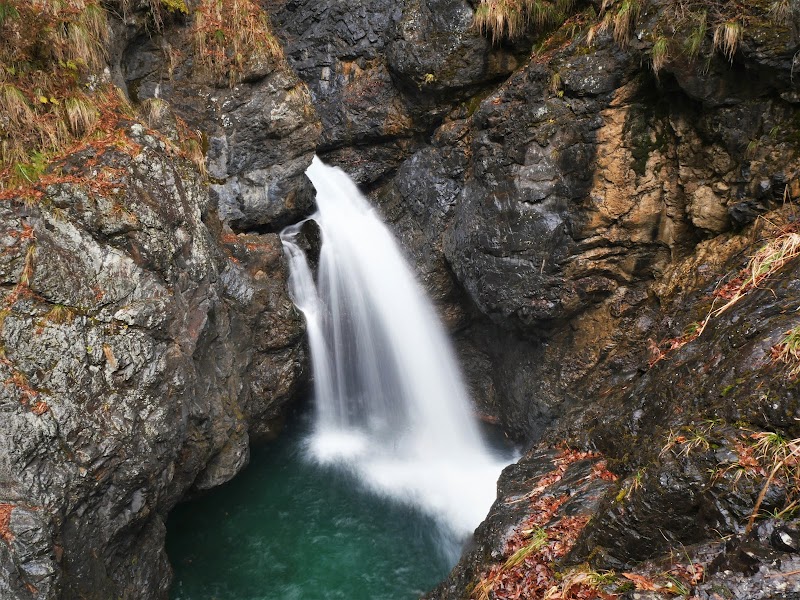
point(391, 405)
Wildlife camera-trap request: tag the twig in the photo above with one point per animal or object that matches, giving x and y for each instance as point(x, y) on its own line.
point(787, 574)
point(761, 495)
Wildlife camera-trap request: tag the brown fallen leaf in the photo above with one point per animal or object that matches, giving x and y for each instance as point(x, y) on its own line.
point(641, 582)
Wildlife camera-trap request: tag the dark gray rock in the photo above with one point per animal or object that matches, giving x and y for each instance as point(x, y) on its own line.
point(261, 133)
point(436, 48)
point(576, 484)
point(134, 345)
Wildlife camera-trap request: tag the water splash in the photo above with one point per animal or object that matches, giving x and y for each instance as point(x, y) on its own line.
point(391, 405)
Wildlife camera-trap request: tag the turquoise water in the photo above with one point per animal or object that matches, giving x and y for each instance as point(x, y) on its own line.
point(287, 529)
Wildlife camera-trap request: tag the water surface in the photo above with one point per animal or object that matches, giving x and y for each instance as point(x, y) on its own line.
point(289, 529)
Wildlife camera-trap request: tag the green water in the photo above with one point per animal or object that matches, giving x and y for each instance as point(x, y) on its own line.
point(286, 529)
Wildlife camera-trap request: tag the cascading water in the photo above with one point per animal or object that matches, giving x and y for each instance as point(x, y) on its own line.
point(390, 402)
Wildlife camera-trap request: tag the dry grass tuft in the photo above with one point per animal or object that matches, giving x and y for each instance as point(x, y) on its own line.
point(229, 35)
point(688, 440)
point(620, 17)
point(82, 115)
point(193, 150)
point(781, 11)
point(767, 261)
point(500, 18)
point(727, 36)
point(14, 106)
point(59, 315)
point(782, 458)
point(509, 19)
point(556, 85)
point(153, 111)
point(624, 20)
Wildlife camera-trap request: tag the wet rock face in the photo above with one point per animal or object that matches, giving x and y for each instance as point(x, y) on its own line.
point(563, 486)
point(591, 215)
point(143, 348)
point(382, 75)
point(260, 134)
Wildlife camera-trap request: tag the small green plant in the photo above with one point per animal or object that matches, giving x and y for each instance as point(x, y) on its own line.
point(660, 54)
point(788, 351)
point(176, 6)
point(632, 486)
point(676, 586)
point(694, 41)
point(30, 171)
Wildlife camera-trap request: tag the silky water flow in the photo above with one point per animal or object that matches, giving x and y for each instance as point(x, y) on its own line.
point(391, 406)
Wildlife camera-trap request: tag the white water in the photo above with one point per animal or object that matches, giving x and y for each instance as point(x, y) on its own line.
point(390, 402)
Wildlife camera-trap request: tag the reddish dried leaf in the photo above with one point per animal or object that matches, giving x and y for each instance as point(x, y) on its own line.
point(40, 408)
point(5, 521)
point(641, 582)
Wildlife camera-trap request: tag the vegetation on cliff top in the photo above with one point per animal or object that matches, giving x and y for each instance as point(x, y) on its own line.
point(55, 93)
point(686, 26)
point(230, 36)
point(50, 94)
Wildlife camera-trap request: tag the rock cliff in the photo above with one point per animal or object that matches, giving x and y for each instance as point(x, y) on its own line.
point(603, 209)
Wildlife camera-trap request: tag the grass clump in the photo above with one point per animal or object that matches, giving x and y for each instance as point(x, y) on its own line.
point(727, 36)
point(537, 539)
point(691, 439)
point(82, 114)
point(229, 35)
point(624, 19)
point(781, 11)
point(660, 54)
point(770, 258)
point(509, 19)
point(782, 459)
point(694, 41)
point(787, 351)
point(50, 53)
point(618, 16)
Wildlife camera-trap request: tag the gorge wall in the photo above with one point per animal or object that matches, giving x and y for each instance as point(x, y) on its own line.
point(579, 216)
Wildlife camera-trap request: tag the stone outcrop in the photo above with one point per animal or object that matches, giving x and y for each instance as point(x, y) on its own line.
point(144, 345)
